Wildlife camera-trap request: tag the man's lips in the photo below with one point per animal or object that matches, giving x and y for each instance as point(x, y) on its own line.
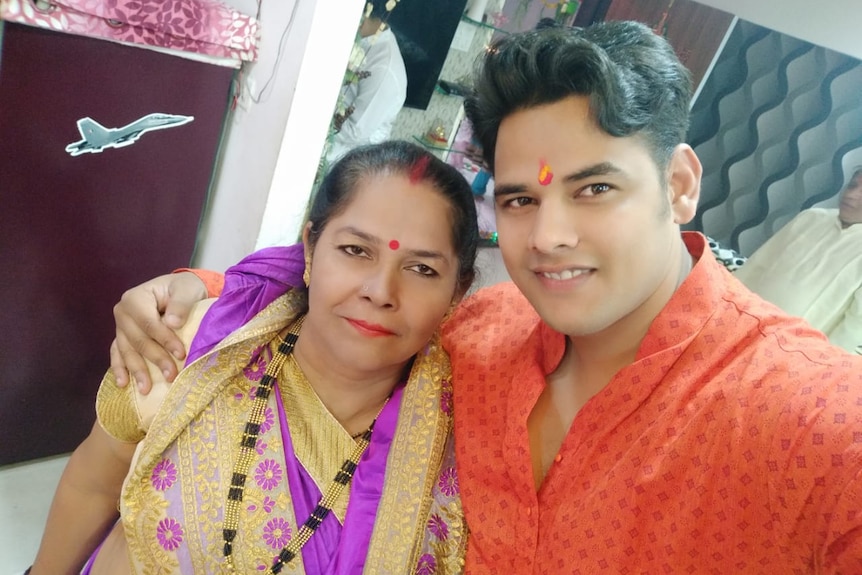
point(560, 273)
point(566, 274)
point(371, 329)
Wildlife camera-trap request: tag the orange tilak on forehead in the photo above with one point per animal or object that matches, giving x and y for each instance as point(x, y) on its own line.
point(545, 173)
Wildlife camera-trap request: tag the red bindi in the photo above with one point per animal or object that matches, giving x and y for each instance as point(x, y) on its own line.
point(394, 245)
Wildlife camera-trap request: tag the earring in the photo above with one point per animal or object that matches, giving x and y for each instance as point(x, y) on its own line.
point(306, 275)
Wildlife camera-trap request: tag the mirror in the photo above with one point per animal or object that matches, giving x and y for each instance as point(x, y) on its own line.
point(776, 119)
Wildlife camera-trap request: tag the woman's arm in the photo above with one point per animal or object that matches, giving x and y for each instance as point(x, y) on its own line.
point(85, 504)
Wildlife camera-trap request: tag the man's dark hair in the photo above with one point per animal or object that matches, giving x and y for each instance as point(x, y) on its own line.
point(635, 82)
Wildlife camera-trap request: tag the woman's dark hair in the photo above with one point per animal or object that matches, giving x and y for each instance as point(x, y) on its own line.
point(545, 23)
point(340, 183)
point(635, 82)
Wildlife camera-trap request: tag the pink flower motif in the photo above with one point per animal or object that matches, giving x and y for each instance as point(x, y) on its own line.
point(260, 447)
point(268, 474)
point(448, 482)
point(268, 505)
point(446, 396)
point(257, 366)
point(446, 402)
point(427, 565)
point(169, 533)
point(164, 475)
point(438, 527)
point(268, 420)
point(277, 533)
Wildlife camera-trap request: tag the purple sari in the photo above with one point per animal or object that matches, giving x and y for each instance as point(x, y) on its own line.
point(249, 287)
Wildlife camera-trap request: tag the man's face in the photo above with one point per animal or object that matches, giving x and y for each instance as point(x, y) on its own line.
point(850, 208)
point(587, 228)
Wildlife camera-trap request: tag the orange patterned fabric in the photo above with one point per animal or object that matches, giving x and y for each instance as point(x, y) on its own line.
point(214, 281)
point(732, 444)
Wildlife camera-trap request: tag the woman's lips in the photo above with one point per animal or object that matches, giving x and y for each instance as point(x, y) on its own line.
point(369, 329)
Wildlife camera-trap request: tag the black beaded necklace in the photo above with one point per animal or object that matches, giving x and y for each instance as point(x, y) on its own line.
point(246, 454)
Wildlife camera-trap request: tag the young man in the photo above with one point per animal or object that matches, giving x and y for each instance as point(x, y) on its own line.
point(813, 268)
point(625, 405)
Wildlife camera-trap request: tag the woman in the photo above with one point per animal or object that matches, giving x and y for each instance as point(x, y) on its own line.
point(318, 435)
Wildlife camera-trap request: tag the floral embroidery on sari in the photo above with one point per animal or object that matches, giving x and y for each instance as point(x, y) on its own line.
point(164, 475)
point(173, 500)
point(277, 533)
point(169, 533)
point(260, 358)
point(448, 482)
point(268, 474)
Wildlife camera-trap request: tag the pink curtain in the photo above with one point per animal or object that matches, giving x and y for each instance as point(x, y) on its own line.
point(205, 27)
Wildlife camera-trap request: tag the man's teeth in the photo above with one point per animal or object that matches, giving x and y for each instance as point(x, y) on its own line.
point(564, 275)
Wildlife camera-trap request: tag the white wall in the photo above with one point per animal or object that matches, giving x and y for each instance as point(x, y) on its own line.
point(267, 163)
point(320, 78)
point(834, 24)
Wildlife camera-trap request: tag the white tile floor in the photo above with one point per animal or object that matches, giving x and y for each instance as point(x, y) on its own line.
point(26, 491)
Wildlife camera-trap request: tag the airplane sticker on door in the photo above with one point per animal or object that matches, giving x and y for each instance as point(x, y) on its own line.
point(97, 137)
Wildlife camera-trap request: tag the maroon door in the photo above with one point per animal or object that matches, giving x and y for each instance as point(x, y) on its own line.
point(76, 230)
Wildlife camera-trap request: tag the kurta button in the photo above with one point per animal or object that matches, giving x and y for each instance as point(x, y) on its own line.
point(558, 458)
point(529, 511)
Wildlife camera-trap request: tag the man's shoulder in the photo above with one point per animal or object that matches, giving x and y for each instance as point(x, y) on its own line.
point(490, 313)
point(775, 350)
point(495, 301)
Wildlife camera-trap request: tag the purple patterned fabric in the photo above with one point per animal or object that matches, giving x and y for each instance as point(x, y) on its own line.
point(366, 491)
point(249, 286)
point(327, 552)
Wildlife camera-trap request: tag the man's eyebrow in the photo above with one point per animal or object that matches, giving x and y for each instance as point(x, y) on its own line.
point(508, 189)
point(600, 169)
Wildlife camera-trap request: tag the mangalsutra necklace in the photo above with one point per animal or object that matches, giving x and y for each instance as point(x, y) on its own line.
point(246, 454)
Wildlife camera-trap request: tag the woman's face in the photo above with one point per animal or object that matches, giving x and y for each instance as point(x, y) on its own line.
point(383, 274)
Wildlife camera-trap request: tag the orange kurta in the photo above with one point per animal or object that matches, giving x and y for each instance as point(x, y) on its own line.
point(214, 281)
point(733, 444)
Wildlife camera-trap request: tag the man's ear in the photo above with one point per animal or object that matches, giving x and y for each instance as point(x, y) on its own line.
point(683, 177)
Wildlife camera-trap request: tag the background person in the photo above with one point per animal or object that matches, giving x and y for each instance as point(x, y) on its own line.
point(374, 100)
point(812, 268)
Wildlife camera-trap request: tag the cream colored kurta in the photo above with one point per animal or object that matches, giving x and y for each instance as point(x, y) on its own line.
point(812, 268)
